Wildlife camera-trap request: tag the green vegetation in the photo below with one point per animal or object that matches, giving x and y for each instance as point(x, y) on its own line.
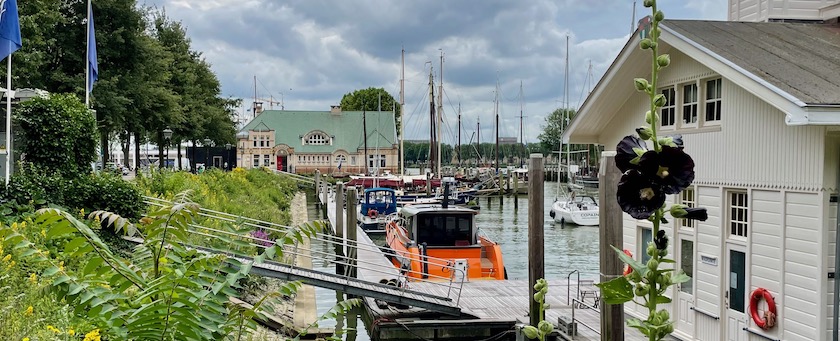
point(371, 99)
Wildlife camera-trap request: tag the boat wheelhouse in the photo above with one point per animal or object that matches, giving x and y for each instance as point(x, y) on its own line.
point(377, 204)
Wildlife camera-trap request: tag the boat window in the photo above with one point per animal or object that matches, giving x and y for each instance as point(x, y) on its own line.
point(444, 230)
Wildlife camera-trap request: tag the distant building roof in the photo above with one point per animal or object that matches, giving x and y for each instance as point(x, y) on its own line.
point(345, 127)
point(800, 59)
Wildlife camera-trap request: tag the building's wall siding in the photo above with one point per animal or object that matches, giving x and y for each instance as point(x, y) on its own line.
point(762, 10)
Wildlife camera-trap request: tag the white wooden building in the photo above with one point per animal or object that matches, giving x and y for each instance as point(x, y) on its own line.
point(758, 105)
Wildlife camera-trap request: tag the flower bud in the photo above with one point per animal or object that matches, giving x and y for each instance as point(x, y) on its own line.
point(539, 296)
point(648, 117)
point(663, 60)
point(648, 3)
point(663, 252)
point(678, 211)
point(531, 332)
point(659, 100)
point(659, 16)
point(668, 329)
point(641, 84)
point(645, 133)
point(651, 250)
point(646, 44)
point(652, 264)
point(545, 327)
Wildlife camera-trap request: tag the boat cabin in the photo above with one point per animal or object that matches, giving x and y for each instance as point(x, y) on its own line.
point(379, 199)
point(440, 227)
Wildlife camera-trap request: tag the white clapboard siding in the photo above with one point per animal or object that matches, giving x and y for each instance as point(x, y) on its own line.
point(802, 267)
point(762, 10)
point(831, 234)
point(707, 277)
point(766, 269)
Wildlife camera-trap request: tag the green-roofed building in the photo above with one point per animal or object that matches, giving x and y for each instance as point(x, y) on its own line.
point(330, 141)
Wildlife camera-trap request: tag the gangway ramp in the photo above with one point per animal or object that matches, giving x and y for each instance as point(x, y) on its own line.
point(349, 285)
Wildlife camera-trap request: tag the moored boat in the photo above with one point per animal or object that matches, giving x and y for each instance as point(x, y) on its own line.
point(376, 205)
point(579, 210)
point(426, 241)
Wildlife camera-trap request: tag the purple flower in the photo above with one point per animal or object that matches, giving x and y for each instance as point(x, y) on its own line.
point(638, 195)
point(263, 238)
point(672, 168)
point(626, 156)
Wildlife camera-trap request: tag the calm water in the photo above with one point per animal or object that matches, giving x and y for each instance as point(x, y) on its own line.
point(567, 248)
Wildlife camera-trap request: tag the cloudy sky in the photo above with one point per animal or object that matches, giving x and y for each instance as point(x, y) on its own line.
point(309, 53)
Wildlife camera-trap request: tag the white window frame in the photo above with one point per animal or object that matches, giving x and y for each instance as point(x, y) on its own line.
point(737, 215)
point(684, 104)
point(707, 100)
point(317, 139)
point(688, 197)
point(670, 106)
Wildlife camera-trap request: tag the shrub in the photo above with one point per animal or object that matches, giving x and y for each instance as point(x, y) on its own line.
point(107, 192)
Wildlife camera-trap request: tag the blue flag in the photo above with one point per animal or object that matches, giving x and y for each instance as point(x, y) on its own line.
point(93, 66)
point(9, 28)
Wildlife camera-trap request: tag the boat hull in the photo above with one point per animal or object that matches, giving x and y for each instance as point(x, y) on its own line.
point(565, 214)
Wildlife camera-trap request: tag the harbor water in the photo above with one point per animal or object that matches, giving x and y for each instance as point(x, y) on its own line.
point(567, 248)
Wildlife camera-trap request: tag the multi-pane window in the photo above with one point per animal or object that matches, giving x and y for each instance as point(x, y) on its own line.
point(713, 99)
point(256, 159)
point(669, 110)
point(687, 198)
point(382, 160)
point(353, 160)
point(317, 139)
point(738, 221)
point(255, 141)
point(689, 103)
point(266, 160)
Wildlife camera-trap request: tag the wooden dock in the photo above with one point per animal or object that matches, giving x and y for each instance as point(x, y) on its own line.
point(490, 308)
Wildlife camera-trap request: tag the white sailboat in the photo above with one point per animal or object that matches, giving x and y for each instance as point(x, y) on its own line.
point(571, 208)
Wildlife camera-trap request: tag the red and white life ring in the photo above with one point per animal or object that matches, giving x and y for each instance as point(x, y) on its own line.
point(372, 213)
point(769, 319)
point(627, 269)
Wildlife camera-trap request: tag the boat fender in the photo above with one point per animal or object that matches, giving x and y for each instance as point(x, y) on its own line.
point(372, 213)
point(551, 213)
point(627, 269)
point(769, 319)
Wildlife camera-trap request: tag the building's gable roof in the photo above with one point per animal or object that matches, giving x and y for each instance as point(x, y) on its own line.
point(796, 74)
point(802, 60)
point(345, 128)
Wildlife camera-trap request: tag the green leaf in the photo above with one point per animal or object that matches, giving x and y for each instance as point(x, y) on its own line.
point(680, 277)
point(638, 324)
point(636, 265)
point(616, 291)
point(50, 271)
point(74, 244)
point(662, 299)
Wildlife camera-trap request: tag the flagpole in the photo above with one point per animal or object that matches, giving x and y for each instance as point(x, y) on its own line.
point(87, 59)
point(8, 117)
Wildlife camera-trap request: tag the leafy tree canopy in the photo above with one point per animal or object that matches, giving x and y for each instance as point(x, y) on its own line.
point(369, 99)
point(555, 123)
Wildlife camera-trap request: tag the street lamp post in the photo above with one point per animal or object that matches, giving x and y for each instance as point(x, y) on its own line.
point(167, 135)
point(227, 155)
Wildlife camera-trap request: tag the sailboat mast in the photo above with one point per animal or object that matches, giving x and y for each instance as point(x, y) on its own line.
point(440, 115)
point(566, 116)
point(521, 140)
point(497, 126)
point(459, 135)
point(432, 141)
point(402, 113)
point(364, 135)
point(478, 141)
point(255, 96)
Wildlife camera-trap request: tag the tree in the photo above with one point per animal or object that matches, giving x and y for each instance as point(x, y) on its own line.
point(58, 134)
point(369, 99)
point(555, 124)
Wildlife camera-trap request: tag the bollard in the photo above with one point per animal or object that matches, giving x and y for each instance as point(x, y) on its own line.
point(611, 221)
point(351, 233)
point(339, 226)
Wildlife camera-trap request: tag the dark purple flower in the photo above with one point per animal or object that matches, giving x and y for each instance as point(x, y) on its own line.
point(626, 152)
point(661, 240)
point(262, 237)
point(672, 168)
point(638, 195)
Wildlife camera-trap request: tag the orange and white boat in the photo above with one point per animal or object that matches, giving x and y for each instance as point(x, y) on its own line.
point(429, 241)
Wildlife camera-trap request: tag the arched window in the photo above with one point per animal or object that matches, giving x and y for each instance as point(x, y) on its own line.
point(318, 139)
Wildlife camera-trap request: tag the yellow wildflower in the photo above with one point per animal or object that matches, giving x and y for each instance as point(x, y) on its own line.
point(14, 226)
point(92, 336)
point(71, 332)
point(82, 213)
point(44, 233)
point(61, 266)
point(7, 258)
point(53, 329)
point(29, 311)
point(23, 224)
point(97, 220)
point(11, 264)
point(25, 339)
point(33, 278)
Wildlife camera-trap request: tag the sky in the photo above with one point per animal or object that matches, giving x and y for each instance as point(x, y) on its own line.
point(306, 54)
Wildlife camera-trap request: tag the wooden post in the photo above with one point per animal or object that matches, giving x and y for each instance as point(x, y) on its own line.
point(536, 223)
point(428, 184)
point(351, 232)
point(612, 315)
point(318, 186)
point(339, 225)
point(515, 192)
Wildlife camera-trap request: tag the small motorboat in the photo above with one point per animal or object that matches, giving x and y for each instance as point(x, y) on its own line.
point(579, 210)
point(428, 241)
point(376, 205)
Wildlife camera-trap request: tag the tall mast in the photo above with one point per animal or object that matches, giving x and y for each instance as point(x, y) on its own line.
point(432, 140)
point(364, 135)
point(459, 134)
point(255, 96)
point(440, 115)
point(402, 113)
point(478, 141)
point(496, 100)
point(566, 114)
point(521, 141)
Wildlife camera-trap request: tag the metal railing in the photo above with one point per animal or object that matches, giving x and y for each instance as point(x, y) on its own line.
point(241, 228)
